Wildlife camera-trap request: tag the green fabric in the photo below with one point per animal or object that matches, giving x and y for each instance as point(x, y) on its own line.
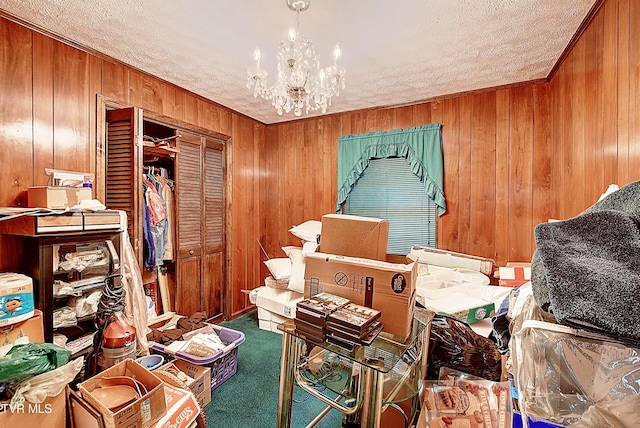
point(420, 146)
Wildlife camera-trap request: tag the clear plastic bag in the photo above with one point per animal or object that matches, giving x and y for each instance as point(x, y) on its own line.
point(573, 378)
point(49, 384)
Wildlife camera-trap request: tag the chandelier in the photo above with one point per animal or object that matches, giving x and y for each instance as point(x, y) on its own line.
point(301, 83)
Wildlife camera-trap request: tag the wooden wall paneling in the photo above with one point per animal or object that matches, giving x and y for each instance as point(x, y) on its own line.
point(622, 69)
point(595, 56)
point(191, 113)
point(384, 119)
point(261, 199)
point(311, 159)
point(136, 88)
point(330, 164)
point(153, 94)
point(241, 222)
point(501, 245)
point(436, 114)
point(564, 121)
point(95, 88)
point(542, 156)
point(581, 197)
point(422, 115)
point(404, 117)
point(43, 124)
point(609, 92)
point(464, 176)
point(214, 117)
point(448, 223)
point(115, 81)
point(174, 104)
point(634, 91)
point(295, 197)
point(253, 177)
point(16, 130)
point(71, 102)
point(271, 194)
point(483, 180)
point(520, 174)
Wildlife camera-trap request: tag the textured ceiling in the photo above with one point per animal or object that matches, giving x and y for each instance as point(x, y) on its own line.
point(395, 52)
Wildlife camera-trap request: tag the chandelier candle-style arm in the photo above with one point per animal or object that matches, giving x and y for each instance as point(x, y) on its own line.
point(301, 84)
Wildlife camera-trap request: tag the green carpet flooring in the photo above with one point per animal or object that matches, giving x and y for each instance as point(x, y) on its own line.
point(249, 399)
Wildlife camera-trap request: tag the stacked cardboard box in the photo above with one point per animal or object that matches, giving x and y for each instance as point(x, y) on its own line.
point(368, 281)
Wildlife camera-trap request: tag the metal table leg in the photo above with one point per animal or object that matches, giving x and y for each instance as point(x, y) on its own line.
point(372, 396)
point(285, 393)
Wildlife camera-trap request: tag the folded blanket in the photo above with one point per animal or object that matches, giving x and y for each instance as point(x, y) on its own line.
point(586, 270)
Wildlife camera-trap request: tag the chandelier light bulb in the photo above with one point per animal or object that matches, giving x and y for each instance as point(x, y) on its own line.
point(301, 84)
point(337, 53)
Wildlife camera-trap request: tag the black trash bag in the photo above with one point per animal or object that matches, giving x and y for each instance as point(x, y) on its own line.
point(31, 359)
point(455, 345)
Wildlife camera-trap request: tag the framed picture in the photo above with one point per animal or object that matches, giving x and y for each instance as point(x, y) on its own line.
point(83, 415)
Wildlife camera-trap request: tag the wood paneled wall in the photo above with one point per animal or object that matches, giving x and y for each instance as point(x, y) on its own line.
point(514, 157)
point(494, 193)
point(48, 120)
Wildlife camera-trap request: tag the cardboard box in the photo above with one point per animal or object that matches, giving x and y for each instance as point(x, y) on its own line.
point(142, 413)
point(354, 236)
point(513, 276)
point(201, 375)
point(182, 408)
point(51, 413)
point(56, 197)
point(31, 330)
point(269, 321)
point(280, 302)
point(465, 307)
point(387, 287)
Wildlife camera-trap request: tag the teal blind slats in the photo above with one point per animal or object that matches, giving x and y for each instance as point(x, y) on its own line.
point(389, 189)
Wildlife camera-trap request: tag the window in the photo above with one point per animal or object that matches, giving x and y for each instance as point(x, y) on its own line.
point(388, 189)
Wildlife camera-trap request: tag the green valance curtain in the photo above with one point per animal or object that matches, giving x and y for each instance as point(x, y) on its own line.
point(420, 146)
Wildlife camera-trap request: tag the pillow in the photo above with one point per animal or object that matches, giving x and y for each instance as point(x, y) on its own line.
point(280, 268)
point(309, 247)
point(296, 280)
point(307, 231)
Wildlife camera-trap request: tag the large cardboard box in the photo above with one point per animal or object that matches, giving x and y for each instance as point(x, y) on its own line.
point(140, 414)
point(354, 236)
point(56, 197)
point(51, 413)
point(387, 287)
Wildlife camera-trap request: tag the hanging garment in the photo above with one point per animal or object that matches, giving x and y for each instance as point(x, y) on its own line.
point(169, 200)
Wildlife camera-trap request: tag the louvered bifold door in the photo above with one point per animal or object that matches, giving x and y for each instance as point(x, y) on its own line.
point(189, 184)
point(214, 226)
point(122, 171)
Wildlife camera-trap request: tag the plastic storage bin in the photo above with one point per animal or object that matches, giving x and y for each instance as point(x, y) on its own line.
point(443, 283)
point(223, 364)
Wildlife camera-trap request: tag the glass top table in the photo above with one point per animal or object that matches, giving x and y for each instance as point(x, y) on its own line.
point(369, 376)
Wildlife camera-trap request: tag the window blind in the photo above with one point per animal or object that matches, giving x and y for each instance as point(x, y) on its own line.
point(388, 189)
